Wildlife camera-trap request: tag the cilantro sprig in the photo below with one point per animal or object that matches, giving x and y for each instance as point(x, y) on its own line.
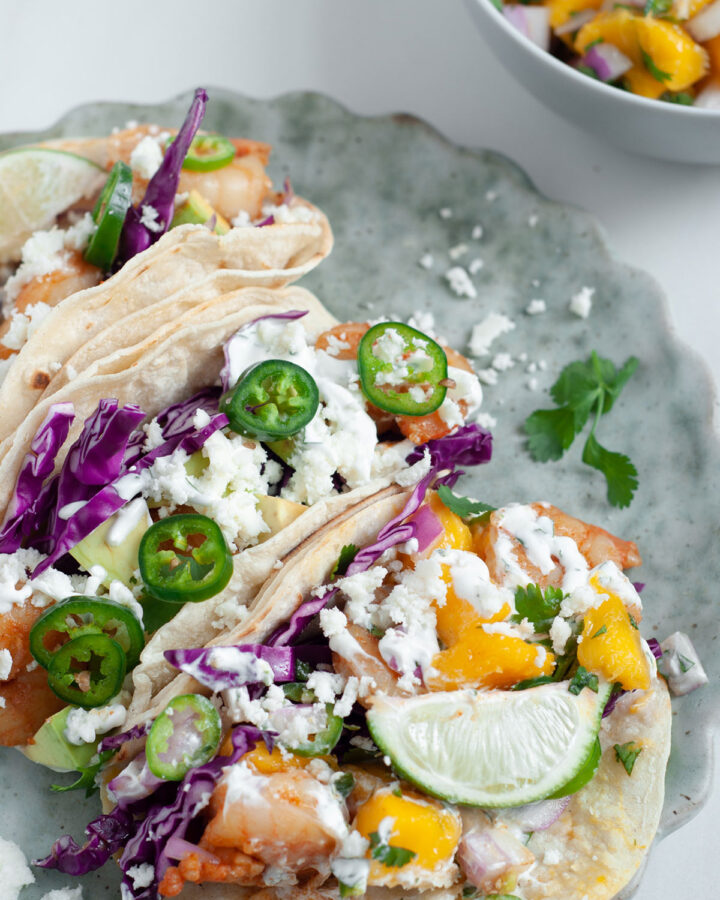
point(347, 555)
point(585, 389)
point(537, 606)
point(87, 776)
point(463, 506)
point(395, 857)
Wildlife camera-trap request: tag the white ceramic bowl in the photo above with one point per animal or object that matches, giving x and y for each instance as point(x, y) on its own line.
point(649, 127)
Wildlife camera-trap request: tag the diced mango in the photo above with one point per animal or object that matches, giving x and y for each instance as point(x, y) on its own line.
point(269, 763)
point(485, 660)
point(617, 28)
point(611, 646)
point(562, 10)
point(686, 9)
point(672, 52)
point(455, 535)
point(456, 616)
point(713, 50)
point(419, 824)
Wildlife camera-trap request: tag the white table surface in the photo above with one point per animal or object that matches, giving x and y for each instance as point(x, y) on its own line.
point(379, 56)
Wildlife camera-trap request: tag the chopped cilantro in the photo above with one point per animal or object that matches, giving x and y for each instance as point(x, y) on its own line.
point(656, 73)
point(587, 70)
point(627, 755)
point(657, 7)
point(86, 781)
point(532, 682)
point(584, 389)
point(395, 857)
point(633, 621)
point(685, 663)
point(599, 40)
point(397, 791)
point(302, 670)
point(682, 98)
point(376, 632)
point(601, 630)
point(351, 890)
point(470, 891)
point(583, 679)
point(462, 506)
point(347, 555)
point(344, 784)
point(538, 606)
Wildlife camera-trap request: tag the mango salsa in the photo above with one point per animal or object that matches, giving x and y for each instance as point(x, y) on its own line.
point(611, 646)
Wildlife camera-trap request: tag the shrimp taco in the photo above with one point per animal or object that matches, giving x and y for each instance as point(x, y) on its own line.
point(84, 251)
point(430, 697)
point(150, 496)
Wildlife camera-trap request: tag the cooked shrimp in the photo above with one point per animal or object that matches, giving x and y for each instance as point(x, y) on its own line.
point(75, 275)
point(242, 186)
point(366, 660)
point(507, 562)
point(28, 699)
point(28, 702)
point(229, 867)
point(287, 819)
point(342, 342)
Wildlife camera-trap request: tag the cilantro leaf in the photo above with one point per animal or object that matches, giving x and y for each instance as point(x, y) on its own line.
point(582, 389)
point(583, 679)
point(395, 857)
point(627, 754)
point(344, 784)
point(462, 506)
point(601, 630)
point(685, 663)
point(656, 73)
point(538, 606)
point(620, 473)
point(86, 781)
point(551, 432)
point(682, 98)
point(347, 555)
point(657, 7)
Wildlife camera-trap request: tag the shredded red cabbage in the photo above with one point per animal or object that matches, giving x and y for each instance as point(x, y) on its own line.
point(39, 462)
point(268, 220)
point(397, 531)
point(225, 371)
point(655, 648)
point(135, 782)
point(209, 671)
point(161, 190)
point(164, 822)
point(470, 445)
point(106, 835)
point(115, 741)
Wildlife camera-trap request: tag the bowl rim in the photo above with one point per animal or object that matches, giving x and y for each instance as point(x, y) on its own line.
point(605, 90)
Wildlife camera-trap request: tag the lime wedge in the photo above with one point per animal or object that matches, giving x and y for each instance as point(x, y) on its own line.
point(36, 185)
point(490, 748)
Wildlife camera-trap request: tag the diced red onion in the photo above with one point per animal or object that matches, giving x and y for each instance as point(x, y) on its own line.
point(655, 648)
point(536, 816)
point(576, 21)
point(268, 220)
point(488, 854)
point(532, 21)
point(177, 848)
point(709, 97)
point(607, 61)
point(706, 24)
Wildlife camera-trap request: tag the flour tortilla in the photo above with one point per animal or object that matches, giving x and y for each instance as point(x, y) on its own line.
point(186, 357)
point(271, 256)
point(601, 840)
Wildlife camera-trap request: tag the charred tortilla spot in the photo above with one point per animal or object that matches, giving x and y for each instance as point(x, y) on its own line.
point(39, 381)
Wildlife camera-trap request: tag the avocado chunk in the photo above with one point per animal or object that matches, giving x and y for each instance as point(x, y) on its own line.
point(50, 748)
point(277, 514)
point(101, 546)
point(197, 211)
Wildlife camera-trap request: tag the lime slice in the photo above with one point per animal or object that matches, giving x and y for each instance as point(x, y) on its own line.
point(491, 748)
point(36, 185)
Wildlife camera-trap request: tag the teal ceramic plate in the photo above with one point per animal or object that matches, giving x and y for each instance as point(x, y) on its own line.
point(383, 182)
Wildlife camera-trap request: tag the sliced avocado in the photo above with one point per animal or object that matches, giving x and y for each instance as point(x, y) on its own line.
point(197, 211)
point(119, 561)
point(49, 747)
point(196, 464)
point(284, 449)
point(277, 514)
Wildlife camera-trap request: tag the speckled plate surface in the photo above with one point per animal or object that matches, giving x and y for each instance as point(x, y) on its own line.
point(382, 182)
